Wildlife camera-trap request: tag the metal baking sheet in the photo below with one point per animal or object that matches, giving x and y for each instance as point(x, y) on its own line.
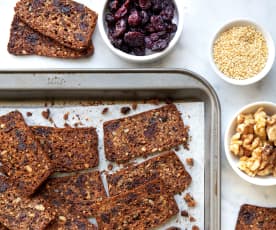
point(194, 98)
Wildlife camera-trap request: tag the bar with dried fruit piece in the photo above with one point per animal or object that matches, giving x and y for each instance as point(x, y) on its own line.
point(144, 207)
point(167, 166)
point(23, 159)
point(143, 134)
point(69, 149)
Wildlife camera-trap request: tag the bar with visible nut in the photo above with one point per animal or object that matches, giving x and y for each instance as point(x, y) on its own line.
point(22, 157)
point(167, 166)
point(68, 22)
point(143, 134)
point(79, 192)
point(69, 149)
point(254, 217)
point(144, 207)
point(26, 41)
point(18, 212)
point(72, 221)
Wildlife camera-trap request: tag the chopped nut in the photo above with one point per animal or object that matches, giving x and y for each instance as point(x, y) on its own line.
point(134, 105)
point(190, 161)
point(62, 218)
point(4, 152)
point(105, 110)
point(184, 213)
point(66, 116)
point(125, 110)
point(46, 114)
point(110, 167)
point(189, 200)
point(2, 126)
point(28, 168)
point(195, 227)
point(29, 114)
point(192, 219)
point(39, 207)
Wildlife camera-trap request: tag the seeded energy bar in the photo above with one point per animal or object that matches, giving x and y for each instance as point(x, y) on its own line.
point(20, 212)
point(25, 41)
point(254, 217)
point(71, 221)
point(22, 157)
point(142, 134)
point(79, 193)
point(69, 149)
point(142, 208)
point(167, 166)
point(68, 22)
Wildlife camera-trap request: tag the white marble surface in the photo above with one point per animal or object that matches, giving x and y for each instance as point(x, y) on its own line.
point(202, 18)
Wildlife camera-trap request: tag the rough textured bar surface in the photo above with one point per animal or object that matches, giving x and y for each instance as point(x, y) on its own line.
point(23, 213)
point(79, 193)
point(145, 133)
point(142, 208)
point(68, 22)
point(69, 149)
point(166, 166)
point(22, 157)
point(70, 221)
point(25, 41)
point(2, 227)
point(256, 218)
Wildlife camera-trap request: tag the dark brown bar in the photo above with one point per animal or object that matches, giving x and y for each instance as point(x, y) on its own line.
point(143, 134)
point(69, 149)
point(145, 207)
point(166, 166)
point(22, 157)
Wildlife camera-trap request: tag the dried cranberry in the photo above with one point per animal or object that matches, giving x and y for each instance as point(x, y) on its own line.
point(167, 14)
point(122, 11)
point(114, 5)
point(172, 28)
point(157, 5)
point(145, 4)
point(154, 37)
point(160, 45)
point(120, 28)
point(148, 43)
point(157, 22)
point(144, 17)
point(134, 39)
point(32, 38)
point(109, 18)
point(134, 19)
point(139, 51)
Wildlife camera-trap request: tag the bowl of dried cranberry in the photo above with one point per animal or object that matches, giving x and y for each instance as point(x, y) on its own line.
point(141, 30)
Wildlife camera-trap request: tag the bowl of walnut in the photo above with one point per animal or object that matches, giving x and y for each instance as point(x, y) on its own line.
point(141, 31)
point(250, 143)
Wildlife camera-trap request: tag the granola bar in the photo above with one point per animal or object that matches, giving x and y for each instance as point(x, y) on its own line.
point(22, 157)
point(69, 23)
point(142, 208)
point(69, 149)
point(143, 134)
point(20, 212)
point(78, 193)
point(254, 218)
point(26, 41)
point(166, 166)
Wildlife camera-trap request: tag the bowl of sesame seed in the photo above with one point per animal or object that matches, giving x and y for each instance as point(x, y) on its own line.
point(242, 52)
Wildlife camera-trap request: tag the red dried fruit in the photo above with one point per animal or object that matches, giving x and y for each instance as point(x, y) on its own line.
point(134, 19)
point(134, 39)
point(122, 11)
point(145, 4)
point(120, 28)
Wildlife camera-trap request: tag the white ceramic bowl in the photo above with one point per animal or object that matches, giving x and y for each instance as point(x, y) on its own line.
point(179, 20)
point(269, 108)
point(270, 46)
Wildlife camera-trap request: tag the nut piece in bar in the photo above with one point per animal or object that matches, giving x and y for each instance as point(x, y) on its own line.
point(22, 157)
point(79, 193)
point(69, 149)
point(167, 166)
point(20, 212)
point(25, 41)
point(70, 221)
point(144, 207)
point(254, 217)
point(143, 134)
point(69, 23)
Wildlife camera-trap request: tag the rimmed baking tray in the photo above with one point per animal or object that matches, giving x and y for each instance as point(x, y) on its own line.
point(129, 85)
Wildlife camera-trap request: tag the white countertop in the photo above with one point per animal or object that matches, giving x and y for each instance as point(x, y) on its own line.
point(202, 19)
